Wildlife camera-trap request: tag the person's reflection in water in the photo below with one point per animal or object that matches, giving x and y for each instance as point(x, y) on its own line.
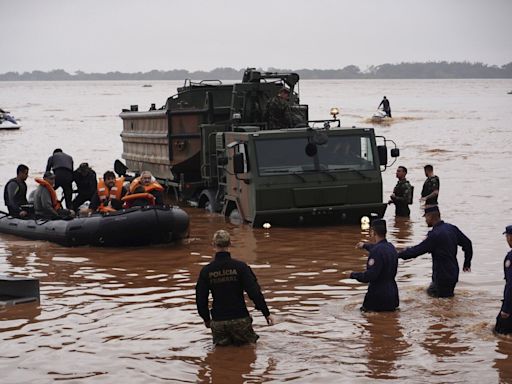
point(402, 231)
point(227, 365)
point(504, 364)
point(386, 344)
point(441, 340)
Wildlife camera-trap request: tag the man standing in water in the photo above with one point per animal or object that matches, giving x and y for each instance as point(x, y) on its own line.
point(402, 193)
point(227, 279)
point(385, 106)
point(504, 319)
point(442, 242)
point(380, 271)
point(430, 189)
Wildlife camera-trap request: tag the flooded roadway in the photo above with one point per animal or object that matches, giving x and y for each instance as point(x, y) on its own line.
point(114, 315)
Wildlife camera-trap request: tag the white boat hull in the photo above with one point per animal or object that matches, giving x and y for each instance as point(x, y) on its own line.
point(5, 124)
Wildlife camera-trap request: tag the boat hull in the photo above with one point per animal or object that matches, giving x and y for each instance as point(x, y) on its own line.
point(6, 125)
point(132, 227)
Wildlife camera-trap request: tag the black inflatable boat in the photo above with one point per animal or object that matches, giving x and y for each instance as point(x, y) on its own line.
point(129, 227)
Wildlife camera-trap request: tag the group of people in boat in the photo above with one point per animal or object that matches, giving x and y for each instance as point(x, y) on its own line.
point(107, 194)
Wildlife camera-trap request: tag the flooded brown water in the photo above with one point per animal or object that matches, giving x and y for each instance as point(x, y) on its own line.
point(128, 315)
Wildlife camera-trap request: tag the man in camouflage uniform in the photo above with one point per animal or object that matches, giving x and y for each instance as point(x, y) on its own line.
point(227, 279)
point(278, 112)
point(402, 193)
point(430, 189)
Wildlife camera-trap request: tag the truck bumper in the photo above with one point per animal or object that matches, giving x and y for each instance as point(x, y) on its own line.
point(327, 215)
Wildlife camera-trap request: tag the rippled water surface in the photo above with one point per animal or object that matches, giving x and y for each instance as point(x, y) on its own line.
point(128, 315)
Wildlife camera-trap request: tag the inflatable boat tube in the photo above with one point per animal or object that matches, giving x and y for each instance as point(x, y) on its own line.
point(128, 227)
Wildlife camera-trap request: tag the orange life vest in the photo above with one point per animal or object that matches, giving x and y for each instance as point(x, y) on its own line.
point(106, 194)
point(151, 187)
point(128, 199)
point(55, 202)
point(113, 193)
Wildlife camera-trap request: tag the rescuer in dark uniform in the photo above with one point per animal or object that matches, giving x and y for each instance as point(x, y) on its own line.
point(62, 166)
point(380, 271)
point(442, 242)
point(227, 279)
point(385, 106)
point(504, 318)
point(402, 193)
point(86, 184)
point(430, 190)
point(15, 192)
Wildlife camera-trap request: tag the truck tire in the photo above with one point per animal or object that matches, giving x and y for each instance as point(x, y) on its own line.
point(207, 201)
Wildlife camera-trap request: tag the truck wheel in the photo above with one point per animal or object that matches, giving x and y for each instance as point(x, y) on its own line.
point(234, 216)
point(207, 201)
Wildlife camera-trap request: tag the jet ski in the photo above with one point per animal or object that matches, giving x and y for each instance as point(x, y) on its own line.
point(379, 116)
point(7, 121)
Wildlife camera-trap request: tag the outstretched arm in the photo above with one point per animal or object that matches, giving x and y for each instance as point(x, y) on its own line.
point(425, 246)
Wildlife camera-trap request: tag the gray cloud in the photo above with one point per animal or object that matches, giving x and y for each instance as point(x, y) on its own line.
point(130, 35)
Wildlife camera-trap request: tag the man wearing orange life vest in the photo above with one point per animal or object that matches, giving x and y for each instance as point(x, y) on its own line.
point(109, 194)
point(150, 185)
point(46, 204)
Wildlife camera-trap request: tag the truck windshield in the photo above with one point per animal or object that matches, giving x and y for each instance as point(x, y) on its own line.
point(288, 155)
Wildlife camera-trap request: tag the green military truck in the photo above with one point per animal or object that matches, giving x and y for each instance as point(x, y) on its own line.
point(212, 146)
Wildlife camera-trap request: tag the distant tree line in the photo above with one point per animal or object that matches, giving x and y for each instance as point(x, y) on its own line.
point(429, 70)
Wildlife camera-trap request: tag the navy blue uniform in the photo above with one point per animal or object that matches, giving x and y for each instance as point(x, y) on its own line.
point(380, 272)
point(227, 279)
point(442, 242)
point(505, 325)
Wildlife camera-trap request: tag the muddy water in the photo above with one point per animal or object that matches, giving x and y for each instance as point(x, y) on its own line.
point(128, 315)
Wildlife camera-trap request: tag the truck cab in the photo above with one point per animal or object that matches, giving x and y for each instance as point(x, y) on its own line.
point(303, 176)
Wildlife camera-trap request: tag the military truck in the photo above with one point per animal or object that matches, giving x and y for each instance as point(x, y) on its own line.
point(211, 144)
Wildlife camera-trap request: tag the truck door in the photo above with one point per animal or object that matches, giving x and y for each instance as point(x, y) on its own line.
point(240, 182)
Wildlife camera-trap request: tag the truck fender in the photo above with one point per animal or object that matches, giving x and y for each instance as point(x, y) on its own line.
point(208, 201)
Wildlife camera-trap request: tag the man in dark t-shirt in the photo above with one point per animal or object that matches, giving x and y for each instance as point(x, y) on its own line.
point(430, 190)
point(227, 279)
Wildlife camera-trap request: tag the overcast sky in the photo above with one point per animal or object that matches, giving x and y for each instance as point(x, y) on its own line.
point(131, 36)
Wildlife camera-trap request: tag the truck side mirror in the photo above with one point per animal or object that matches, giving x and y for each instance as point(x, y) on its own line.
point(383, 154)
point(238, 163)
point(395, 152)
